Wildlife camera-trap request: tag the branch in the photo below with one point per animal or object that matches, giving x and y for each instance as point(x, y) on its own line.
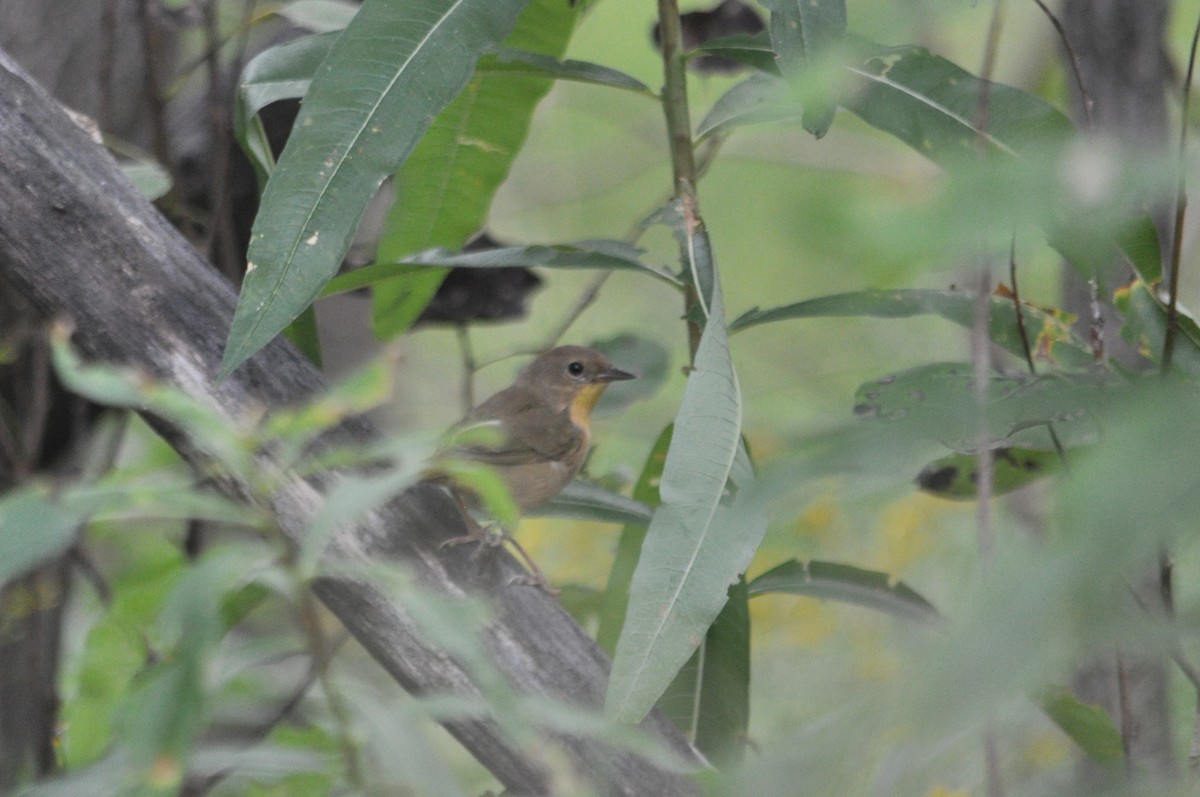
point(76, 239)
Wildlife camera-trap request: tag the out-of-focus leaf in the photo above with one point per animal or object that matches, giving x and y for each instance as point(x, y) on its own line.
point(1140, 245)
point(846, 584)
point(588, 501)
point(629, 547)
point(149, 177)
point(646, 359)
point(445, 188)
point(695, 548)
point(752, 49)
point(319, 16)
point(802, 33)
point(956, 476)
point(938, 401)
point(118, 387)
point(933, 106)
point(34, 527)
point(1145, 327)
point(1089, 726)
point(1051, 337)
point(759, 98)
point(584, 254)
point(709, 699)
point(385, 78)
point(518, 63)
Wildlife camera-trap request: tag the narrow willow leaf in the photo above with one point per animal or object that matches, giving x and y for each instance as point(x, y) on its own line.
point(932, 105)
point(321, 16)
point(629, 547)
point(956, 476)
point(519, 63)
point(1089, 726)
point(283, 72)
point(695, 548)
point(444, 190)
point(709, 699)
point(584, 254)
point(750, 49)
point(803, 32)
point(1050, 333)
point(757, 99)
point(588, 501)
point(390, 72)
point(844, 583)
point(32, 509)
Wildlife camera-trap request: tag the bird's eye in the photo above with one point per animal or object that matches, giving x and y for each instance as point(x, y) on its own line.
point(575, 368)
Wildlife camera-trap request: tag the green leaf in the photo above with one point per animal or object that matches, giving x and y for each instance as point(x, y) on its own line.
point(695, 548)
point(938, 401)
point(390, 72)
point(933, 105)
point(629, 547)
point(32, 509)
point(589, 501)
point(750, 49)
point(445, 189)
point(1145, 327)
point(1050, 333)
point(283, 72)
point(759, 98)
point(1089, 726)
point(956, 476)
point(802, 33)
point(616, 255)
point(709, 699)
point(846, 584)
point(518, 63)
point(148, 176)
point(320, 16)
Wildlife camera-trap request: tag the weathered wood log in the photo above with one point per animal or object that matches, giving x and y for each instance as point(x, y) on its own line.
point(77, 240)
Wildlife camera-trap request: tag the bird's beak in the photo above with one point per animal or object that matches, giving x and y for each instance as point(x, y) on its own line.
point(614, 375)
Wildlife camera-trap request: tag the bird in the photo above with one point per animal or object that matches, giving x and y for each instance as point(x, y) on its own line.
point(542, 433)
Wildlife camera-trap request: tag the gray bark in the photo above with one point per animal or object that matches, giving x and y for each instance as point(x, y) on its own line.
point(76, 240)
point(1119, 45)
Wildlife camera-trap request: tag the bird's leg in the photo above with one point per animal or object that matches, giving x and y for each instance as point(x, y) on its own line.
point(492, 536)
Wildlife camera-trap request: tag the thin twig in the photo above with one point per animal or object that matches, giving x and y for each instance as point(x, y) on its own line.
point(981, 359)
point(983, 106)
point(322, 653)
point(1025, 345)
point(1180, 212)
point(221, 244)
point(1085, 99)
point(1016, 299)
point(463, 333)
point(197, 787)
point(679, 136)
point(991, 762)
point(1125, 705)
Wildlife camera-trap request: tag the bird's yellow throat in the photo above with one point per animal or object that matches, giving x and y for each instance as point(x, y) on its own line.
point(584, 401)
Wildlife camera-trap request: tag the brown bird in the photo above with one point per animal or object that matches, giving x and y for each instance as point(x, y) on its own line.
point(543, 427)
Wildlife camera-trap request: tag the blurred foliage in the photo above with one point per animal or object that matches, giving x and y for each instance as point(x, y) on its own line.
point(766, 517)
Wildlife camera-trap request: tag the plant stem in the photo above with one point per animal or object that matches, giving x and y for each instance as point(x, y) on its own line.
point(1180, 212)
point(679, 136)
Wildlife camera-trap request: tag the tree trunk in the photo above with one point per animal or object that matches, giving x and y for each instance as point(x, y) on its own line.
point(1119, 46)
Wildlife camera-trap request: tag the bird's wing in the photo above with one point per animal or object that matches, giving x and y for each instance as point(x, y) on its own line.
point(529, 432)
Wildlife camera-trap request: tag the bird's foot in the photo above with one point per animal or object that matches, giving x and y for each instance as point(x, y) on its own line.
point(492, 536)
